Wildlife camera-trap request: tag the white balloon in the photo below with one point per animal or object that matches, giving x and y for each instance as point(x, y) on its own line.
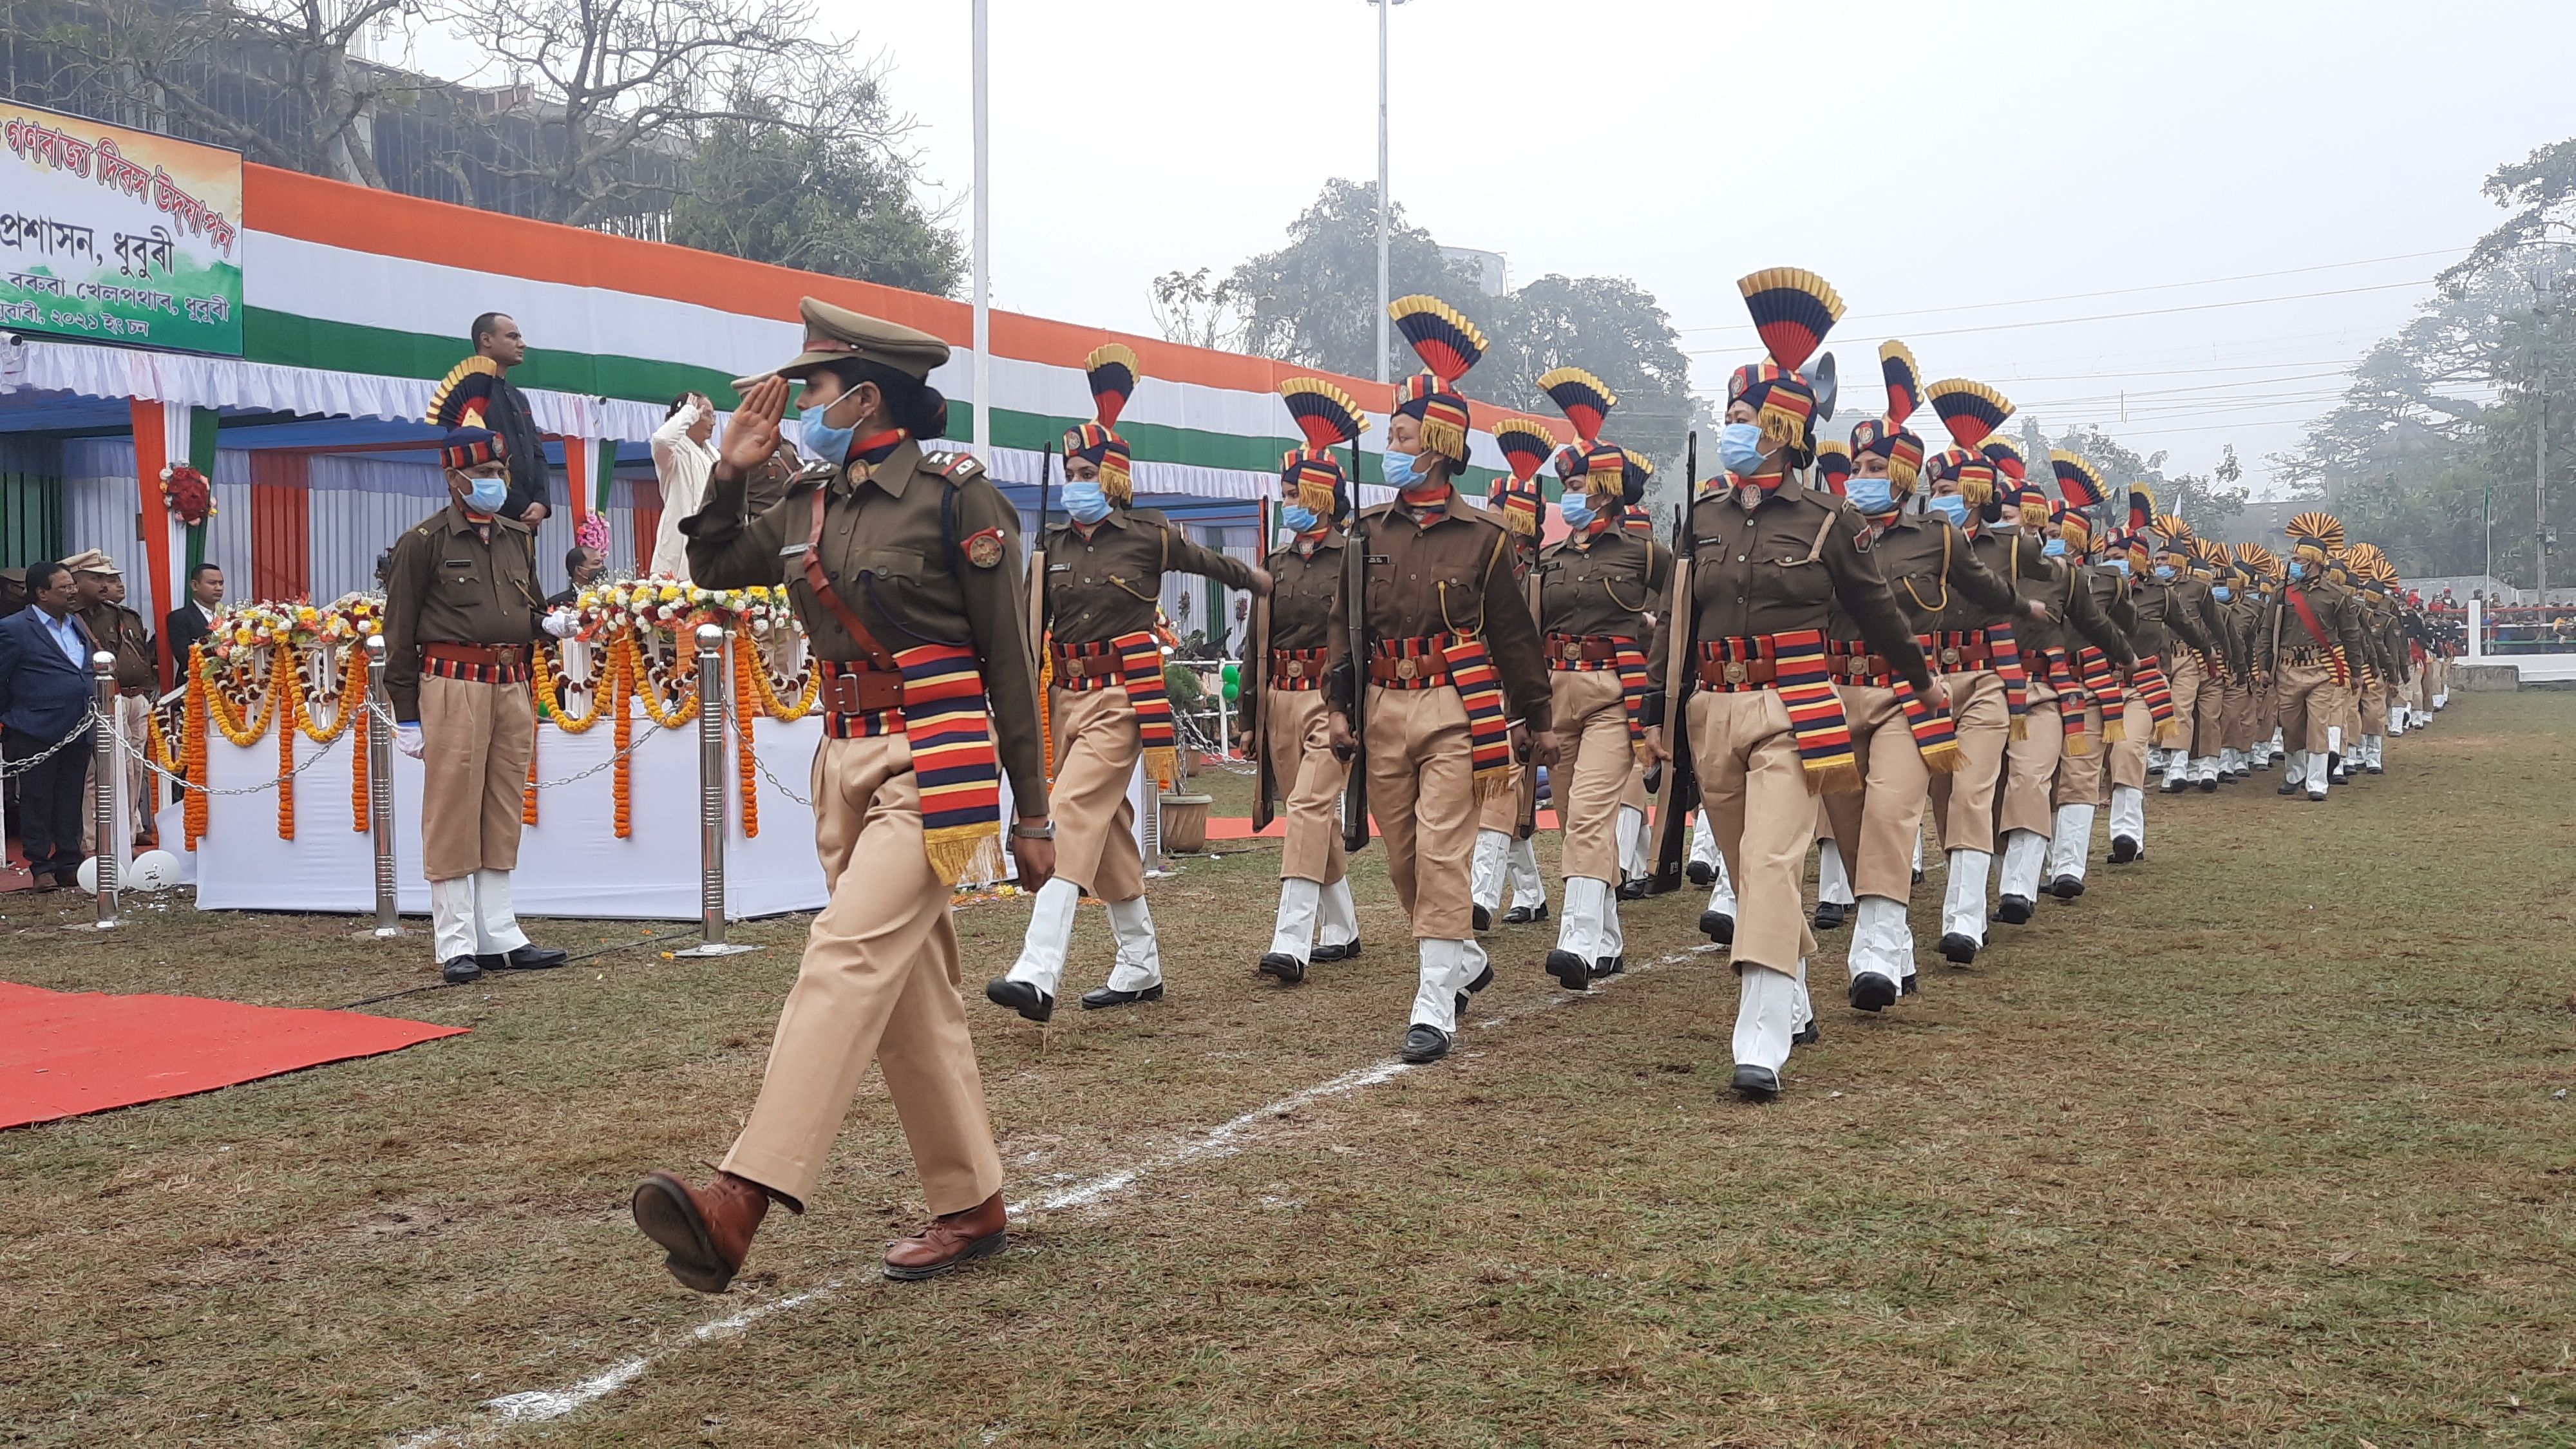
point(89, 876)
point(153, 870)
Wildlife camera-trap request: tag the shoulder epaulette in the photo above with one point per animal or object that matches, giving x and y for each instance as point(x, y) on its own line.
point(957, 467)
point(1151, 515)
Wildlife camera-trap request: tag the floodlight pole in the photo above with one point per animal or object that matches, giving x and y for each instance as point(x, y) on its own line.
point(1383, 6)
point(983, 239)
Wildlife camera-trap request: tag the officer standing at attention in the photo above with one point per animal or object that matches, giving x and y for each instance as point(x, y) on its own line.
point(462, 614)
point(1106, 705)
point(904, 568)
point(1452, 685)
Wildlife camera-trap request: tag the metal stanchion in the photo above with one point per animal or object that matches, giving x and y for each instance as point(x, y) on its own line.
point(380, 790)
point(711, 797)
point(106, 816)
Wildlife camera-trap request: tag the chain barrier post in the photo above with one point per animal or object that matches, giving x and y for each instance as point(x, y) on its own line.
point(105, 808)
point(380, 790)
point(711, 797)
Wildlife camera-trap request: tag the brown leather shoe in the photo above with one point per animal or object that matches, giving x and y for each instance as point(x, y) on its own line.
point(707, 1230)
point(951, 1239)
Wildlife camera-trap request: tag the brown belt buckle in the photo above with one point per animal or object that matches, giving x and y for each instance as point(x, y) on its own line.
point(1737, 671)
point(1949, 654)
point(1293, 669)
point(1407, 668)
point(1574, 650)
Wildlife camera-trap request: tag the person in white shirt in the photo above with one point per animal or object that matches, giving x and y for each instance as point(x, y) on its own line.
point(682, 459)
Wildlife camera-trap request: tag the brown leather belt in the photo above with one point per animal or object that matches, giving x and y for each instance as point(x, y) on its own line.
point(491, 655)
point(1087, 666)
point(1967, 651)
point(1296, 669)
point(1574, 651)
point(1717, 670)
point(1852, 663)
point(1409, 664)
point(2306, 656)
point(854, 686)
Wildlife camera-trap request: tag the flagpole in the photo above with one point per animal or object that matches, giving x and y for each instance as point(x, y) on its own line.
point(983, 239)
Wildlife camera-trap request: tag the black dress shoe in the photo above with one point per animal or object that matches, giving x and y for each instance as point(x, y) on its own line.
point(1425, 1044)
point(2124, 848)
point(1699, 873)
point(2013, 910)
point(1571, 971)
point(1958, 947)
point(1756, 1084)
point(1347, 951)
point(2289, 787)
point(461, 969)
point(1102, 996)
point(1830, 915)
point(1909, 985)
point(2376, 769)
point(1287, 968)
point(2066, 887)
point(1022, 997)
point(1610, 966)
point(1807, 1035)
point(1483, 979)
point(1484, 919)
point(1872, 992)
point(1718, 926)
point(1632, 890)
point(1918, 876)
point(2209, 786)
point(1524, 915)
point(525, 958)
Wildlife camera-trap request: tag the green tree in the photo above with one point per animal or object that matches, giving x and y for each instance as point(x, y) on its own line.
point(1314, 301)
point(1610, 327)
point(785, 187)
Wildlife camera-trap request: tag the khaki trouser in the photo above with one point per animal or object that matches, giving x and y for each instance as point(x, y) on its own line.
point(1963, 801)
point(476, 742)
point(133, 716)
point(1096, 750)
point(879, 982)
point(1875, 827)
point(1422, 789)
point(1503, 811)
point(2236, 718)
point(2030, 767)
point(2185, 676)
point(1753, 788)
point(2208, 717)
point(1299, 734)
point(2374, 711)
point(2128, 762)
point(2080, 777)
point(2310, 701)
point(1591, 778)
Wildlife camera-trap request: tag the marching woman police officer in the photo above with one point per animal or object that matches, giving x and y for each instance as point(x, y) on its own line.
point(1745, 618)
point(1451, 669)
point(1317, 920)
point(1105, 700)
point(903, 565)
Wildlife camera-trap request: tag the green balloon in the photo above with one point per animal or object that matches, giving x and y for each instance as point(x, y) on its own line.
point(1233, 690)
point(1232, 673)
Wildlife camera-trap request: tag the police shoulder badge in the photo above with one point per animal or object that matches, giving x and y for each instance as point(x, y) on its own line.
point(956, 467)
point(983, 550)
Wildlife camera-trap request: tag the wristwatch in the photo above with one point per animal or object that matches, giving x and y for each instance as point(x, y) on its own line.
point(1022, 831)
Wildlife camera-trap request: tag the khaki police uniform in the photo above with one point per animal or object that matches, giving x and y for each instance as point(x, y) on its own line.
point(1297, 733)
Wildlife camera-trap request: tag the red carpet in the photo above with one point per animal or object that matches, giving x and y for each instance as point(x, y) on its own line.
point(66, 1053)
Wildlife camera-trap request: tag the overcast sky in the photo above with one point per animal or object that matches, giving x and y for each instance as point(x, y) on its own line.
point(2001, 165)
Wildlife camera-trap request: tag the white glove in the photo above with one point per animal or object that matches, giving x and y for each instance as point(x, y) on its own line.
point(562, 623)
point(407, 739)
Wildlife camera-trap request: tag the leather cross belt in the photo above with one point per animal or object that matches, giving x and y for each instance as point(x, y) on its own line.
point(502, 656)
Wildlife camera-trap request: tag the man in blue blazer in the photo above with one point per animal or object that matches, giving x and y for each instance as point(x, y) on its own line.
point(45, 697)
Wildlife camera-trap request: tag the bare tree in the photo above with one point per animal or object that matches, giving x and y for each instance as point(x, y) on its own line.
point(191, 64)
point(599, 83)
point(1200, 308)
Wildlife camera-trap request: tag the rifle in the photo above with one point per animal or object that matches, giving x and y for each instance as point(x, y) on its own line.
point(1355, 812)
point(1681, 778)
point(1255, 675)
point(1037, 568)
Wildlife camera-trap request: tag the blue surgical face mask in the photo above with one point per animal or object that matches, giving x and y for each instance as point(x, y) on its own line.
point(1739, 447)
point(824, 443)
point(2165, 571)
point(1403, 470)
point(2298, 570)
point(1950, 506)
point(1299, 520)
point(2054, 548)
point(488, 494)
point(1576, 505)
point(1084, 500)
point(2223, 592)
point(2121, 564)
point(1871, 495)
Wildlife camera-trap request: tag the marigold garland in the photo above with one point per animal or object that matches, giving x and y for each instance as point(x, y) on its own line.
point(290, 693)
point(528, 796)
point(742, 763)
point(197, 813)
point(621, 780)
point(770, 702)
point(358, 763)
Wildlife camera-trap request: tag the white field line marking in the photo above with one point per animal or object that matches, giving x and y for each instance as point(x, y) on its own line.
point(537, 1406)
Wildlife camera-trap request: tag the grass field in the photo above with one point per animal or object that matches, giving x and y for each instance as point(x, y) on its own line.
point(2266, 1140)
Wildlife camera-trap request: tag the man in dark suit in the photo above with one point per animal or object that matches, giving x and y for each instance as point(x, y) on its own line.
point(45, 697)
point(193, 620)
